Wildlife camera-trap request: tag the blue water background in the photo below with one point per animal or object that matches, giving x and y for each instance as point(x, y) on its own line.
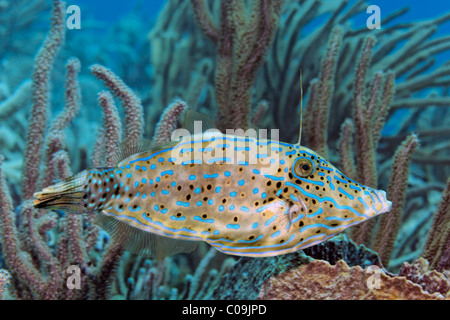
point(113, 10)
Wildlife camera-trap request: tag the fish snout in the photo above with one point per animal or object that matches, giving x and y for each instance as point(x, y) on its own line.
point(382, 204)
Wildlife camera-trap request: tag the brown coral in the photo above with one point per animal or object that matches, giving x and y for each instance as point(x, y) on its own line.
point(320, 280)
point(430, 280)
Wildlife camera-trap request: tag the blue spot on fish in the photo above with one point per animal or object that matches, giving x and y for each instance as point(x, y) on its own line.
point(268, 222)
point(197, 218)
point(181, 203)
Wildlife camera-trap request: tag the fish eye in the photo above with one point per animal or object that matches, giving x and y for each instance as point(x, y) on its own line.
point(303, 167)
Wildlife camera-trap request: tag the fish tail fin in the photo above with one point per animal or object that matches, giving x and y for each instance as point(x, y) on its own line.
point(66, 195)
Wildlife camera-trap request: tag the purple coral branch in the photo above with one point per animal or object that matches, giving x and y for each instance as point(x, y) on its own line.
point(437, 248)
point(54, 140)
point(43, 253)
point(241, 48)
point(134, 114)
point(324, 93)
point(72, 96)
point(112, 125)
point(15, 261)
point(346, 155)
point(205, 20)
point(389, 223)
point(168, 121)
point(365, 152)
point(39, 112)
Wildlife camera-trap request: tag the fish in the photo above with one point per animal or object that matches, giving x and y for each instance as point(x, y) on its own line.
point(242, 195)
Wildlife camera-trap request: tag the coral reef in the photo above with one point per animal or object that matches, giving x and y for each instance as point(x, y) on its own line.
point(240, 61)
point(319, 280)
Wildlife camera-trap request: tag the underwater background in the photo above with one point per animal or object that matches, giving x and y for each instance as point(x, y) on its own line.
point(376, 104)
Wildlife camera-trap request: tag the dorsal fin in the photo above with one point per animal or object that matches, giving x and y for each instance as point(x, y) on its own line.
point(191, 116)
point(127, 149)
point(140, 242)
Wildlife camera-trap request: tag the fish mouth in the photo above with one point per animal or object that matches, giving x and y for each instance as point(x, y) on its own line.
point(383, 205)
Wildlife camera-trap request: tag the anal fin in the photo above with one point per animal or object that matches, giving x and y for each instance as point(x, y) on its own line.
point(141, 242)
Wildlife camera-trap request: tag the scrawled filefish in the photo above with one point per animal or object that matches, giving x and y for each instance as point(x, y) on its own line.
point(242, 195)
